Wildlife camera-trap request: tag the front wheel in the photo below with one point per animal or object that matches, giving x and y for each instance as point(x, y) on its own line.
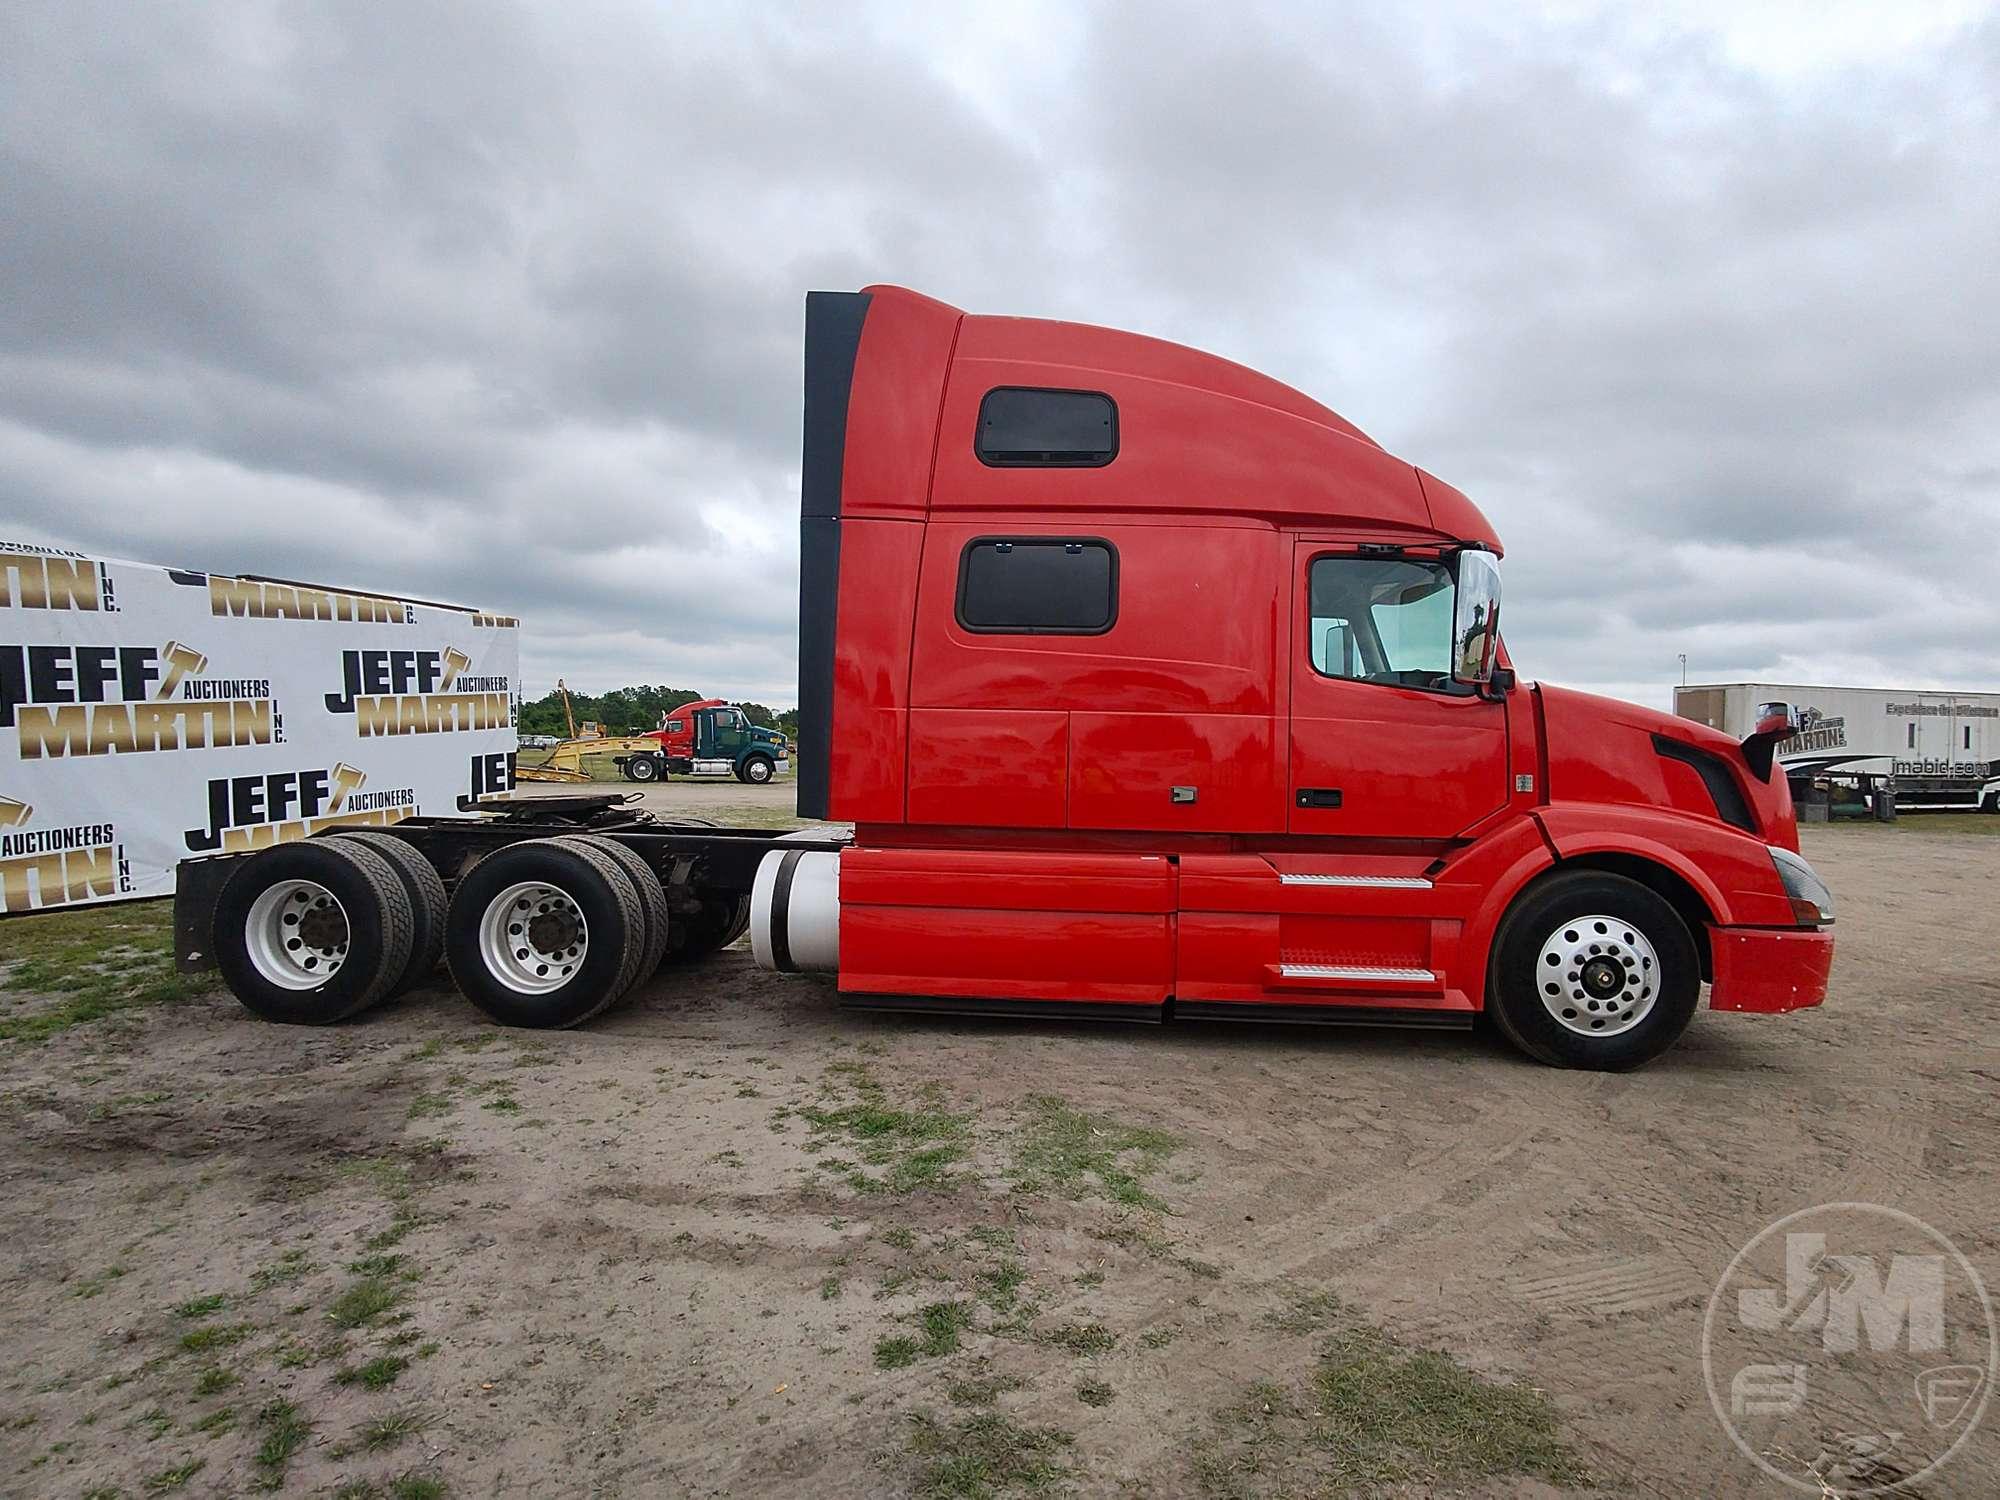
point(1592, 970)
point(757, 770)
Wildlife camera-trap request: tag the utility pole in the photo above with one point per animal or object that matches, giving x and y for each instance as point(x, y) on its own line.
point(1684, 667)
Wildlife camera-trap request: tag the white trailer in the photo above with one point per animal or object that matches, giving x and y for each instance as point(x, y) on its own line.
point(1935, 749)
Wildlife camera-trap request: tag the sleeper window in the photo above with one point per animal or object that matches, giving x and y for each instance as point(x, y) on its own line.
point(1038, 586)
point(1024, 428)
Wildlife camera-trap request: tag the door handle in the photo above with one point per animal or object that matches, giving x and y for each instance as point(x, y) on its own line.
point(1319, 796)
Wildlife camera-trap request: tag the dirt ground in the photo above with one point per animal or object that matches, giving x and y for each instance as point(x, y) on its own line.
point(728, 1240)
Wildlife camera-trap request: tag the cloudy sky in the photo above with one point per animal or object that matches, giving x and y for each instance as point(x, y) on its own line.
point(502, 304)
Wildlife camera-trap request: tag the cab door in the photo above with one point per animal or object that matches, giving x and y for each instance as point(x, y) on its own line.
point(1384, 745)
point(721, 734)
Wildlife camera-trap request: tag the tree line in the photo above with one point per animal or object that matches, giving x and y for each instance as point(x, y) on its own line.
point(633, 710)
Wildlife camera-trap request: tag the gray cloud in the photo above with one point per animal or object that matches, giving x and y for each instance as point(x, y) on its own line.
point(1701, 317)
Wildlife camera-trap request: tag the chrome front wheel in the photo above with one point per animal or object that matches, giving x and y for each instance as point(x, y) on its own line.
point(1597, 975)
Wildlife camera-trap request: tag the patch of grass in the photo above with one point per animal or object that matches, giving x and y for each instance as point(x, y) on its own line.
point(1094, 1393)
point(895, 1352)
point(1063, 1150)
point(175, 1478)
point(213, 1381)
point(506, 1104)
point(376, 1375)
point(215, 1336)
point(378, 1264)
point(289, 1267)
point(393, 1430)
point(1392, 1412)
point(829, 1289)
point(98, 962)
point(1375, 1415)
point(363, 1302)
point(430, 1106)
point(1305, 1311)
point(985, 1455)
point(91, 1286)
point(416, 1487)
point(982, 1390)
point(1158, 1338)
point(399, 1227)
point(1000, 1286)
point(911, 1149)
point(1081, 1338)
point(297, 1356)
point(942, 1323)
point(902, 1237)
point(200, 1307)
point(286, 1429)
point(217, 1422)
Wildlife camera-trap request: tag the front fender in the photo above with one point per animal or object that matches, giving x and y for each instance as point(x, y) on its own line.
point(1731, 871)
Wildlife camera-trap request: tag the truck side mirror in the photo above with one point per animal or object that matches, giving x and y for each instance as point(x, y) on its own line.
point(1475, 633)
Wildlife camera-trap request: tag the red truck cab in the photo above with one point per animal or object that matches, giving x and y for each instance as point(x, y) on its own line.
point(1155, 688)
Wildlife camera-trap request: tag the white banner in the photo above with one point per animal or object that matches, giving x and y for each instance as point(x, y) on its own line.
point(150, 715)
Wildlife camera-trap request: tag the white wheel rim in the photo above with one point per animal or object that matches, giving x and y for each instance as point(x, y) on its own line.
point(297, 934)
point(1597, 976)
point(533, 938)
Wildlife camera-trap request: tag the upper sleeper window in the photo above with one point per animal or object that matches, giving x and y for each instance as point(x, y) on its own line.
point(1038, 586)
point(1020, 427)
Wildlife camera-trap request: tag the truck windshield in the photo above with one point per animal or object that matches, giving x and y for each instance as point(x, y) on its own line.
point(1382, 619)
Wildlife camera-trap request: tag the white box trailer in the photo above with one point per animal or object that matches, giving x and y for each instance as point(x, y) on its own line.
point(1937, 749)
point(153, 715)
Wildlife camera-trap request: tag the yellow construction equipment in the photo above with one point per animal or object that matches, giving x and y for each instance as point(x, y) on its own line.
point(565, 762)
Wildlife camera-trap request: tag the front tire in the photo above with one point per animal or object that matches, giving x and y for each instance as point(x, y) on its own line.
point(545, 933)
point(1593, 970)
point(758, 769)
point(310, 933)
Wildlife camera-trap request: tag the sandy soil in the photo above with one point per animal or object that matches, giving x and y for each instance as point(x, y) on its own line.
point(634, 1259)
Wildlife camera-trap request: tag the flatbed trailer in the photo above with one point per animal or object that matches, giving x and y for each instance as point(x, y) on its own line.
point(1150, 688)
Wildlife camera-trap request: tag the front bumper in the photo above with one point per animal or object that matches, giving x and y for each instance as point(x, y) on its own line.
point(1769, 969)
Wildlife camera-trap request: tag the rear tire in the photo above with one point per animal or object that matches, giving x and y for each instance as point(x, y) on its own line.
point(545, 933)
point(425, 888)
point(1592, 970)
point(298, 911)
point(642, 768)
point(652, 895)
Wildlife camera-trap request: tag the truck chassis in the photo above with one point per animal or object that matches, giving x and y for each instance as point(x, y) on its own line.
point(380, 908)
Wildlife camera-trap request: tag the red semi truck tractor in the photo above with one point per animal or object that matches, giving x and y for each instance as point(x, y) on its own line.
point(1153, 689)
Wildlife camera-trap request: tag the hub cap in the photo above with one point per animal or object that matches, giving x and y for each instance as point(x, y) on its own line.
point(1598, 976)
point(532, 937)
point(296, 934)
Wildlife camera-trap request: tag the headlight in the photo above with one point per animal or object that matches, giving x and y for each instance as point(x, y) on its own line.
point(1812, 902)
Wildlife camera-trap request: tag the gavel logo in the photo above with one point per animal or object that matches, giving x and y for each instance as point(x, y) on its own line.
point(182, 661)
point(13, 812)
point(455, 661)
point(346, 779)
